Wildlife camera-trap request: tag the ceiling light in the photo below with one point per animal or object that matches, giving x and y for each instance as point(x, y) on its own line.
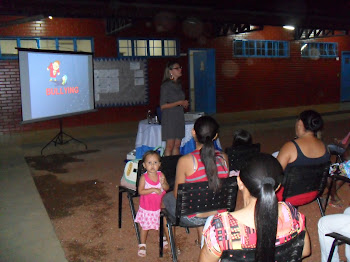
point(303, 47)
point(289, 27)
point(50, 17)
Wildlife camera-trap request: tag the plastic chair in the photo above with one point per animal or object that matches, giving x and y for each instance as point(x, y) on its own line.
point(238, 155)
point(305, 179)
point(195, 198)
point(168, 167)
point(339, 239)
point(290, 251)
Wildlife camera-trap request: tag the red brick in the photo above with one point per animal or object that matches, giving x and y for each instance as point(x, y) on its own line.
point(10, 73)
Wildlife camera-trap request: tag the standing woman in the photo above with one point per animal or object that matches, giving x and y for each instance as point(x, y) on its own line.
point(172, 104)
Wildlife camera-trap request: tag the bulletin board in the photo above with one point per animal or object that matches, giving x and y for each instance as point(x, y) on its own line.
point(120, 82)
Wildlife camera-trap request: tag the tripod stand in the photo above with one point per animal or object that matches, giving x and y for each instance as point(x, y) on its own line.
point(59, 140)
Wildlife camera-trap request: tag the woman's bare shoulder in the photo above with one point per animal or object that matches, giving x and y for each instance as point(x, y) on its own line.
point(185, 161)
point(185, 158)
point(287, 147)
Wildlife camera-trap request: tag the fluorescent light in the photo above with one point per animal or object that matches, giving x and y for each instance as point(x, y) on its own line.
point(303, 47)
point(289, 27)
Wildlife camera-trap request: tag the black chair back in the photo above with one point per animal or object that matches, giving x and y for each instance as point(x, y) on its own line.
point(303, 179)
point(168, 167)
point(238, 155)
point(339, 239)
point(288, 252)
point(198, 198)
point(140, 171)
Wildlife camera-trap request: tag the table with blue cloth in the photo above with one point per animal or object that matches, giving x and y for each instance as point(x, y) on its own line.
point(149, 136)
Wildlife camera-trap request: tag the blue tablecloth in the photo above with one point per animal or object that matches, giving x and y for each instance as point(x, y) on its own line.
point(149, 136)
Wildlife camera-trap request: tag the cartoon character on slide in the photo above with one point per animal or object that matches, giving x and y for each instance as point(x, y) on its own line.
point(54, 69)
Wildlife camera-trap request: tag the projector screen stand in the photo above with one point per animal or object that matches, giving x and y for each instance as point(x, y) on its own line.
point(59, 140)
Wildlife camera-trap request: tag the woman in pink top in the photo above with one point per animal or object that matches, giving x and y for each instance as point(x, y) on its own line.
point(262, 223)
point(203, 164)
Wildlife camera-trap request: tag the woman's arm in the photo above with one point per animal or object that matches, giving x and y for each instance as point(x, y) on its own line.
point(307, 246)
point(183, 103)
point(181, 167)
point(226, 160)
point(206, 255)
point(285, 154)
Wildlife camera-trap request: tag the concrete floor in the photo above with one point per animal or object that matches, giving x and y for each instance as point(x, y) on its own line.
point(26, 233)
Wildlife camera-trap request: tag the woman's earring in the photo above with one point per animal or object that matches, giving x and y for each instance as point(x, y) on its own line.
point(171, 77)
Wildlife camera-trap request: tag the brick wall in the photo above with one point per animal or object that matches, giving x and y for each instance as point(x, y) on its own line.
point(10, 96)
point(262, 83)
point(242, 83)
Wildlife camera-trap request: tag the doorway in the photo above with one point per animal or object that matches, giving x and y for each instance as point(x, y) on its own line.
point(202, 80)
point(345, 77)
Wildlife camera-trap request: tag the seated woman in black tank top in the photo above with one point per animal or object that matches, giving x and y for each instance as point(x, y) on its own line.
point(307, 148)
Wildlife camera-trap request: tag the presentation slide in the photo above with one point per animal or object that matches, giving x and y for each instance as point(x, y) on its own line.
point(55, 84)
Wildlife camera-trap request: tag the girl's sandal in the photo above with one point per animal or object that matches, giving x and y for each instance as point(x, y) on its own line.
point(165, 243)
point(141, 252)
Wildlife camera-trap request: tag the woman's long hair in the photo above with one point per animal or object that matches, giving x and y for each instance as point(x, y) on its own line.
point(206, 129)
point(169, 66)
point(261, 176)
point(312, 120)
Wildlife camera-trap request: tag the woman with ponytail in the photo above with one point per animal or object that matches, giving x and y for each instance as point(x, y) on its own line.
point(262, 223)
point(204, 164)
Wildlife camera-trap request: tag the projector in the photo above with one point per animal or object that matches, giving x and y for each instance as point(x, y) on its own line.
point(192, 116)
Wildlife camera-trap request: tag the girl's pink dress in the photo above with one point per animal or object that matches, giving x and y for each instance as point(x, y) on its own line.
point(149, 210)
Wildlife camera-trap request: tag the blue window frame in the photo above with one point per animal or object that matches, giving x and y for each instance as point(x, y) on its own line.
point(316, 50)
point(260, 48)
point(147, 47)
point(8, 45)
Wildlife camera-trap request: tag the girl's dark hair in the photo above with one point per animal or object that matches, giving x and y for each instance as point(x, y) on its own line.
point(312, 120)
point(261, 176)
point(148, 153)
point(241, 137)
point(169, 66)
point(206, 129)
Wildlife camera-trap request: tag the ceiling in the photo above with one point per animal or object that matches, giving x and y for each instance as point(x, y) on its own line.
point(301, 13)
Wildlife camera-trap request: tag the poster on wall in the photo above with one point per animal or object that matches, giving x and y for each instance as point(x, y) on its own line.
point(120, 82)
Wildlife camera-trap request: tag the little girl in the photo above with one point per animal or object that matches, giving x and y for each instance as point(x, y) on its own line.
point(152, 187)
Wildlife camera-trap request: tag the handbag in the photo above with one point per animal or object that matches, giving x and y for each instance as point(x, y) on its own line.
point(129, 177)
point(131, 168)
